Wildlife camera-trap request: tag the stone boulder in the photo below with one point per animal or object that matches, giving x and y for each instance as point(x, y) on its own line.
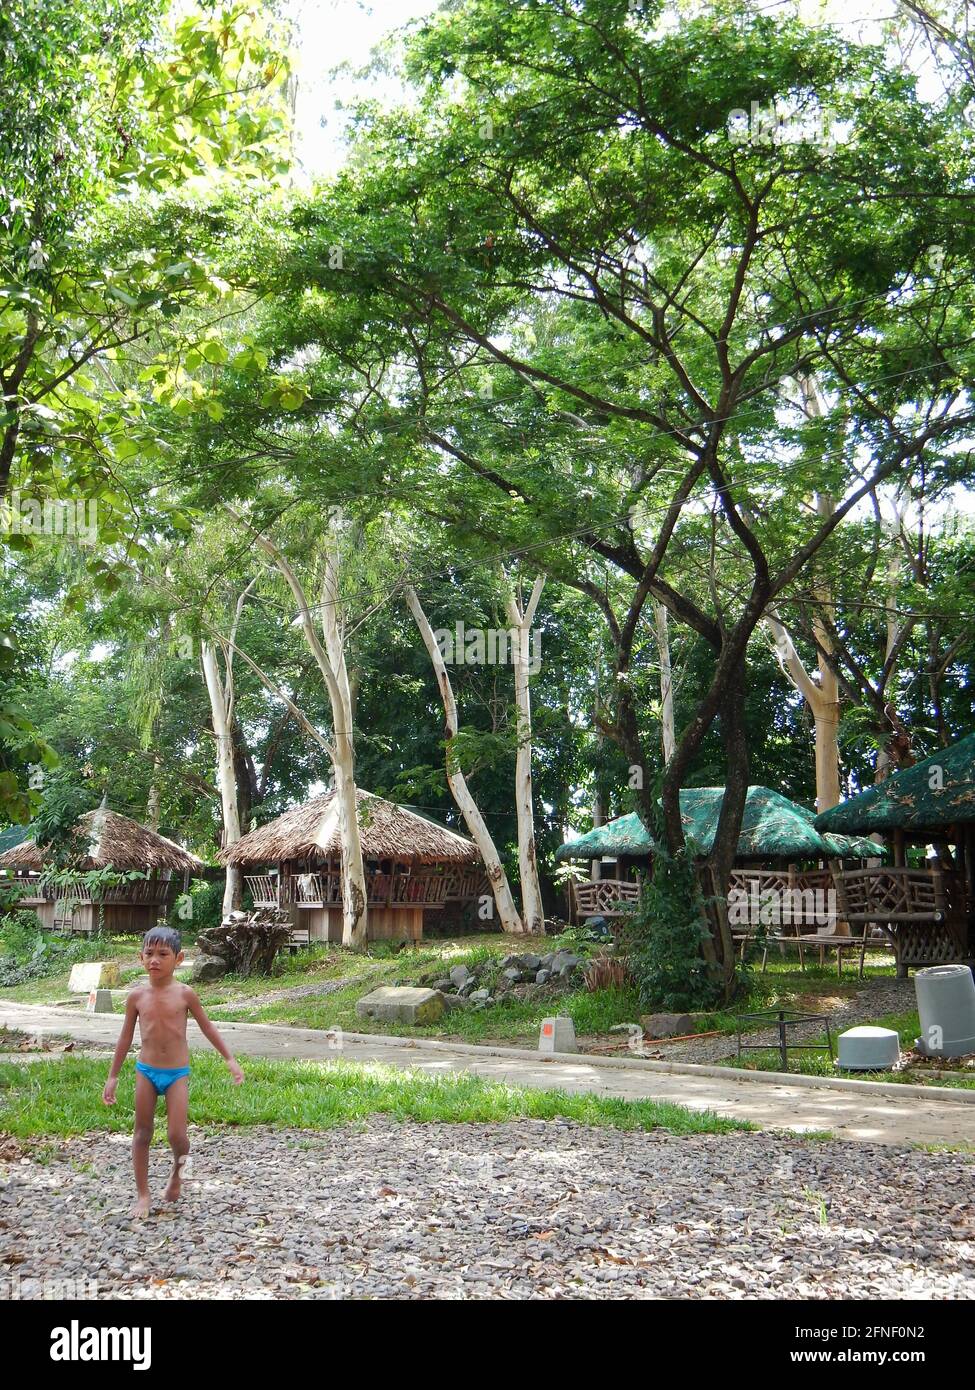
point(666, 1025)
point(208, 968)
point(402, 1004)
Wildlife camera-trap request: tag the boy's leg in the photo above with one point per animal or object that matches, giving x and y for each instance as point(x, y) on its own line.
point(177, 1111)
point(145, 1116)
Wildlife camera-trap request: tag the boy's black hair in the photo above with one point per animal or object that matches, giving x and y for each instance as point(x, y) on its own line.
point(167, 935)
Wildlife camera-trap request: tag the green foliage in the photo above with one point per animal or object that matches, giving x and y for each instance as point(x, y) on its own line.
point(664, 937)
point(581, 940)
point(26, 953)
point(66, 798)
point(205, 906)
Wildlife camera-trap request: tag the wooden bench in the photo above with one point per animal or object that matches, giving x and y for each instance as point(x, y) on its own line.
point(835, 941)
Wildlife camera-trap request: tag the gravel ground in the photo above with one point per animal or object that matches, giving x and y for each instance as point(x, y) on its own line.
point(875, 999)
point(528, 1210)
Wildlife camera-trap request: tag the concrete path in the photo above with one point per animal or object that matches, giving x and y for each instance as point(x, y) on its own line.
point(850, 1109)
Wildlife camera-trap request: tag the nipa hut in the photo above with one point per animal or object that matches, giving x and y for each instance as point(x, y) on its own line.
point(414, 868)
point(775, 832)
point(103, 839)
point(925, 908)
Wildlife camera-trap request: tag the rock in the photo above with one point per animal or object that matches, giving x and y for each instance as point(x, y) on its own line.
point(468, 985)
point(93, 974)
point(444, 984)
point(564, 962)
point(547, 960)
point(531, 962)
point(208, 968)
point(666, 1025)
point(543, 976)
point(480, 995)
point(402, 1004)
point(455, 1001)
point(460, 975)
point(513, 975)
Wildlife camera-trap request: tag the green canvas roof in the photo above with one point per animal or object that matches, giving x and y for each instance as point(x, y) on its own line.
point(773, 827)
point(929, 797)
point(12, 836)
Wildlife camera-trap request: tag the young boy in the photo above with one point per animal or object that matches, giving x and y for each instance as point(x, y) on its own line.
point(160, 1008)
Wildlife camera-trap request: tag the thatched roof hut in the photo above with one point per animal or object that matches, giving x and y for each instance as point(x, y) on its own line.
point(310, 833)
point(922, 801)
point(104, 839)
point(773, 827)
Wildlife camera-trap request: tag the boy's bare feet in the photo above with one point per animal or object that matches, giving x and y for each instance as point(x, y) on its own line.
point(173, 1188)
point(141, 1207)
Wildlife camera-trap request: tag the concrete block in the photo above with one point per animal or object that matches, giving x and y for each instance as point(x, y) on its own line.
point(100, 1002)
point(93, 974)
point(557, 1035)
point(401, 1004)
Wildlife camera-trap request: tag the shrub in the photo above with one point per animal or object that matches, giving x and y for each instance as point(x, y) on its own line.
point(27, 954)
point(582, 941)
point(205, 903)
point(664, 936)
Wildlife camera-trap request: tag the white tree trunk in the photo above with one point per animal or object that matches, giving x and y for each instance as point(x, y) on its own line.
point(354, 897)
point(498, 879)
point(823, 698)
point(521, 619)
point(823, 704)
point(667, 729)
point(894, 624)
point(220, 691)
point(341, 749)
point(154, 799)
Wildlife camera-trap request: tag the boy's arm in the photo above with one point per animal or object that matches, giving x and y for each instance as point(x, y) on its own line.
point(210, 1033)
point(121, 1049)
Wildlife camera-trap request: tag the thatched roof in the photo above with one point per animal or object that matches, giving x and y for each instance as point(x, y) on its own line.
point(387, 831)
point(773, 827)
point(107, 840)
point(922, 800)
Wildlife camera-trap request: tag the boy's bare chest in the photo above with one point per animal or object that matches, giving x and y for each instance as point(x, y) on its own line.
point(163, 1016)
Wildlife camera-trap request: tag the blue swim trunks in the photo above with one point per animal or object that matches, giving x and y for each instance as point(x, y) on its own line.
point(162, 1077)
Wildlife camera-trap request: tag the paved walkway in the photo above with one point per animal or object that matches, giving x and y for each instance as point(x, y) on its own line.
point(885, 1114)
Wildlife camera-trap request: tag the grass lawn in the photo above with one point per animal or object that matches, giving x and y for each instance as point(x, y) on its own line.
point(62, 1097)
point(512, 1021)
